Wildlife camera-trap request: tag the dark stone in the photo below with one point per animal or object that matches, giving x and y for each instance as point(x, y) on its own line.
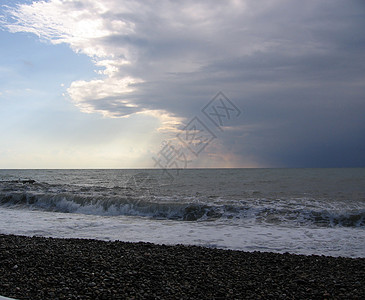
point(49, 268)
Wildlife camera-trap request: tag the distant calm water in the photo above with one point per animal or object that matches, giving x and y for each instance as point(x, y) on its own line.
point(307, 211)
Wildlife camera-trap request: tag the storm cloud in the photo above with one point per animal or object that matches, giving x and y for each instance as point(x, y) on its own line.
point(296, 69)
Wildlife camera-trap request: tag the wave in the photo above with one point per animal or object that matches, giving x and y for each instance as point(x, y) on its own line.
point(130, 203)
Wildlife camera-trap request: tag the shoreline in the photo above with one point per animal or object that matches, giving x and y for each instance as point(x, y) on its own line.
point(50, 268)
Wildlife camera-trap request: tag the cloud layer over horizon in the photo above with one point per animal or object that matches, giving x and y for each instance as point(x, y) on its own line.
point(296, 68)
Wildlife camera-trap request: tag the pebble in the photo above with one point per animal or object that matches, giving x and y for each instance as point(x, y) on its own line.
point(90, 269)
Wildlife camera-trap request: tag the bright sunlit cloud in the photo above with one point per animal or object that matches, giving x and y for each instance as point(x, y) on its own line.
point(132, 43)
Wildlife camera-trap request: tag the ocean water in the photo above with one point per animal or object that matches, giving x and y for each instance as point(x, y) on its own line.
point(303, 211)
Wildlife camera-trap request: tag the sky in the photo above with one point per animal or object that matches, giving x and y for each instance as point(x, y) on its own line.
point(116, 84)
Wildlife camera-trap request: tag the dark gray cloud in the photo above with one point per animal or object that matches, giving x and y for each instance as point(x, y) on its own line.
point(296, 69)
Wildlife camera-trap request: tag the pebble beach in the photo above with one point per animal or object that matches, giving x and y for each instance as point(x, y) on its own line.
point(49, 268)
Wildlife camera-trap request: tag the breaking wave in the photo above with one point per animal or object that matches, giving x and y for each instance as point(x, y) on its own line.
point(132, 201)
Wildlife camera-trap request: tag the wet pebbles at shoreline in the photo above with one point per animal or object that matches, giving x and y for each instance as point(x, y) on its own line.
point(48, 268)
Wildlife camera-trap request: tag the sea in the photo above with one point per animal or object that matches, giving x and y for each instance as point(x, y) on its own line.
point(301, 211)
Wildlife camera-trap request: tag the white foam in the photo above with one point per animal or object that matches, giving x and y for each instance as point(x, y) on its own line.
point(6, 298)
point(338, 241)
